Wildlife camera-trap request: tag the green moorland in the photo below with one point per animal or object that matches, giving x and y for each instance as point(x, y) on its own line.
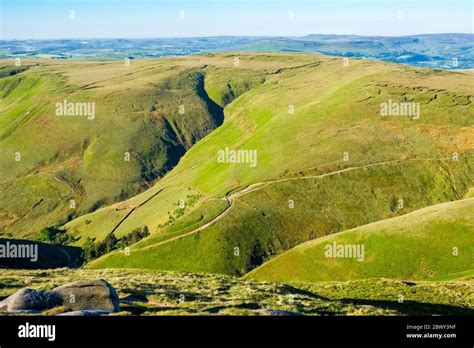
point(336, 110)
point(315, 125)
point(430, 243)
point(169, 293)
point(136, 135)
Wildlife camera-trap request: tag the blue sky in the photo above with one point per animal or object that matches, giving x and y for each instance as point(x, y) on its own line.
point(51, 19)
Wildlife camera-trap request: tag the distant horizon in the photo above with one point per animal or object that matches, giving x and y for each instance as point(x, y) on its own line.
point(141, 19)
point(232, 36)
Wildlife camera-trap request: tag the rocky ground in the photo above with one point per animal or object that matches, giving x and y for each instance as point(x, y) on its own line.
point(167, 293)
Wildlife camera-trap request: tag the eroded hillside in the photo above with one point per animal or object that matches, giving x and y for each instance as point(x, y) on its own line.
point(55, 168)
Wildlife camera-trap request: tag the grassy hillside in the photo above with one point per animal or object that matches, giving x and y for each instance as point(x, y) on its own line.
point(416, 246)
point(321, 143)
point(261, 224)
point(336, 111)
point(48, 160)
point(340, 127)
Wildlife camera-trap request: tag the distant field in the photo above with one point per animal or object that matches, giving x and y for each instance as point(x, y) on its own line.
point(432, 50)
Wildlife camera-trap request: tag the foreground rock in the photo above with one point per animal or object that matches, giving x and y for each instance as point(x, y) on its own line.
point(80, 295)
point(89, 294)
point(30, 299)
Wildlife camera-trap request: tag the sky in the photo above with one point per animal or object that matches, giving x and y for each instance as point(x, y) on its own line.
point(55, 19)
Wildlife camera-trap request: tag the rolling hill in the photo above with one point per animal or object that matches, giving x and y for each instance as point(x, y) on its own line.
point(419, 245)
point(137, 134)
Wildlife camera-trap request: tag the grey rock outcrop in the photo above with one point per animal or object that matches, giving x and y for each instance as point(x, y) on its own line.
point(26, 299)
point(80, 295)
point(89, 294)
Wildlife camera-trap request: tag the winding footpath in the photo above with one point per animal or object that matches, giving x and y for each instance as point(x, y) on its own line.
point(231, 198)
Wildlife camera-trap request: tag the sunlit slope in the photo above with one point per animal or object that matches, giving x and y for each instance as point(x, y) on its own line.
point(433, 242)
point(336, 111)
point(261, 224)
point(151, 112)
